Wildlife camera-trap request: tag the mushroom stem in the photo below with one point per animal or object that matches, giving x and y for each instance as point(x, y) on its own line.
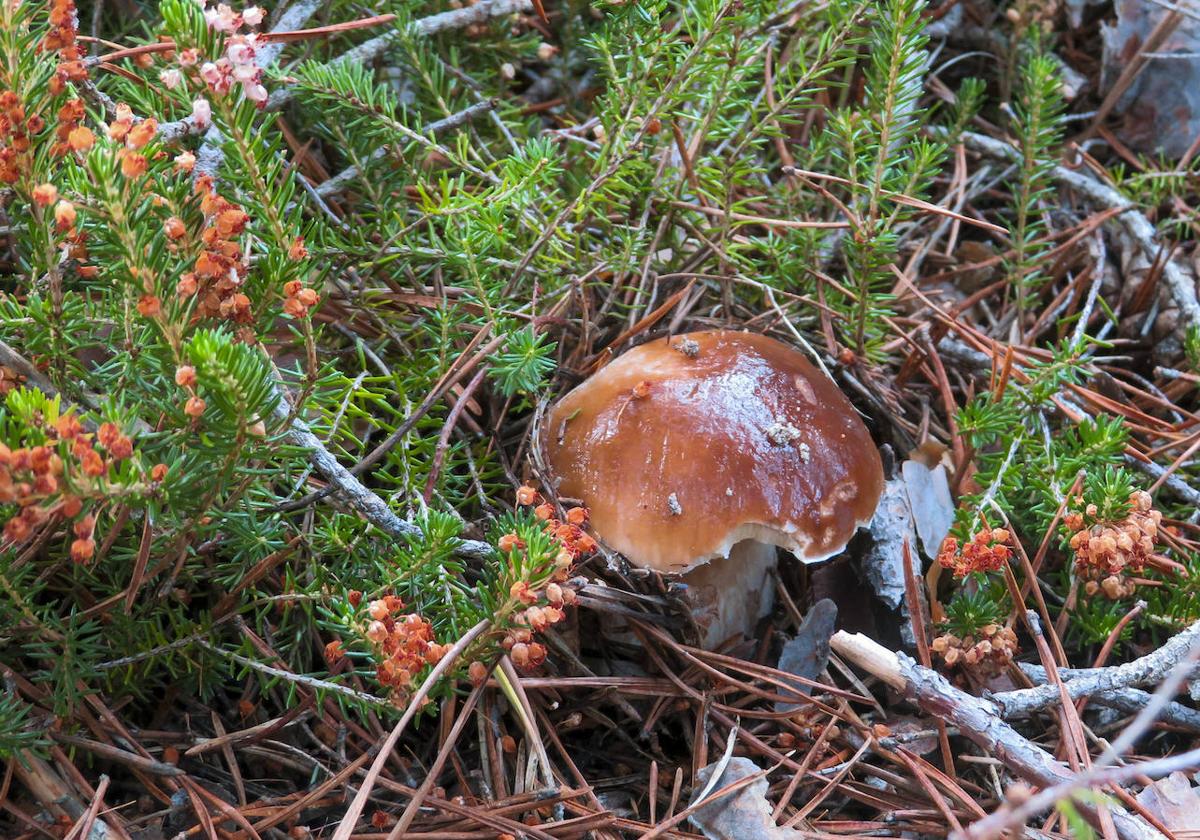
point(730, 594)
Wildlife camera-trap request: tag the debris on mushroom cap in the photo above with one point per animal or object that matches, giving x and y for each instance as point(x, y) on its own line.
point(683, 447)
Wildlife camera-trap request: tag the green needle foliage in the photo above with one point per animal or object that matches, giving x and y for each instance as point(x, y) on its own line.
point(187, 297)
point(1037, 123)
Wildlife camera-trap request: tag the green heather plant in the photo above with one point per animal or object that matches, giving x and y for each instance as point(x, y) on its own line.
point(216, 248)
point(1036, 122)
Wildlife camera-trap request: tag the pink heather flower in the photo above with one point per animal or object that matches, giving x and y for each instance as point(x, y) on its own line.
point(202, 113)
point(189, 57)
point(219, 76)
point(255, 93)
point(252, 16)
point(185, 161)
point(171, 78)
point(247, 73)
point(223, 18)
point(241, 50)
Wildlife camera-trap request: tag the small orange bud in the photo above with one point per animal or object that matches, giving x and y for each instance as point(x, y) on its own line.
point(185, 376)
point(477, 672)
point(149, 306)
point(334, 652)
point(174, 228)
point(158, 472)
point(526, 495)
point(509, 542)
point(81, 138)
point(64, 215)
point(45, 195)
point(122, 448)
point(142, 133)
point(107, 434)
point(93, 464)
point(133, 164)
point(194, 407)
point(82, 550)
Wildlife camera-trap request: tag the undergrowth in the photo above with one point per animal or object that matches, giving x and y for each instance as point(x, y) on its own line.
point(185, 298)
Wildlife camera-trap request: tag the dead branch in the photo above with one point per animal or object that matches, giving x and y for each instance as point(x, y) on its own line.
point(1136, 225)
point(342, 180)
point(1097, 682)
point(976, 718)
point(368, 503)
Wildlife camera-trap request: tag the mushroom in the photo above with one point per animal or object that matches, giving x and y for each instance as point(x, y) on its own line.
point(698, 455)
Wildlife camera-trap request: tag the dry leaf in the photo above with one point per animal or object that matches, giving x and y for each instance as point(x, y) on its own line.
point(1161, 108)
point(930, 503)
point(808, 654)
point(744, 814)
point(1175, 802)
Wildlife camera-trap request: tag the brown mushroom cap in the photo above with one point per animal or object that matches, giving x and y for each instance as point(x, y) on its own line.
point(683, 447)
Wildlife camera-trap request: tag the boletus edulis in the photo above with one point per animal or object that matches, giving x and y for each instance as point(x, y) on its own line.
point(701, 454)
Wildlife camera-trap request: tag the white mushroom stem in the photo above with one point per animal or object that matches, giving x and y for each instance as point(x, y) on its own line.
point(730, 594)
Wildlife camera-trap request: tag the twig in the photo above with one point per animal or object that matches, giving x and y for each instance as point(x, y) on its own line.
point(49, 789)
point(1097, 682)
point(1182, 288)
point(288, 676)
point(368, 51)
point(368, 503)
point(975, 718)
point(129, 759)
point(342, 180)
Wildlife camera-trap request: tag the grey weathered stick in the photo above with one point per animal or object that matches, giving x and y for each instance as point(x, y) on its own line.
point(1101, 772)
point(370, 50)
point(1008, 818)
point(976, 718)
point(368, 503)
point(1181, 288)
point(1150, 669)
point(33, 377)
point(345, 178)
point(288, 676)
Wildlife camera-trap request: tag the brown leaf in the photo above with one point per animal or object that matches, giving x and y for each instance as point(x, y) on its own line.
point(743, 814)
point(1175, 802)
